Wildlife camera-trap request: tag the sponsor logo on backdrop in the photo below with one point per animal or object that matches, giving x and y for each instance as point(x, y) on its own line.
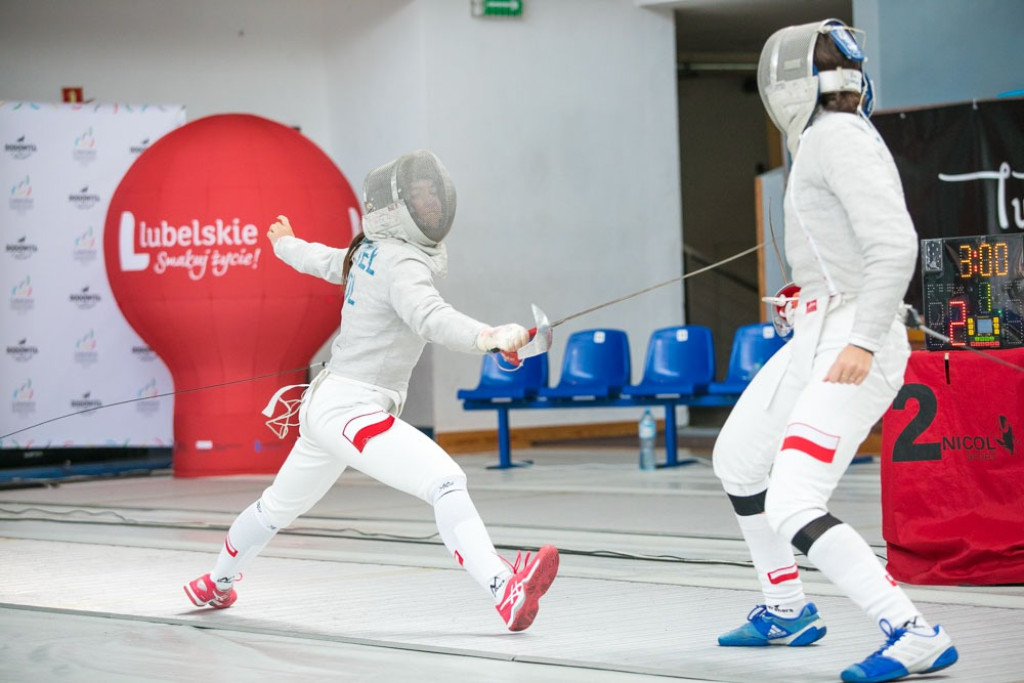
point(21, 299)
point(144, 353)
point(84, 299)
point(20, 148)
point(84, 150)
point(21, 249)
point(258, 446)
point(149, 403)
point(21, 351)
point(139, 147)
point(84, 199)
point(199, 247)
point(85, 250)
point(85, 353)
point(987, 445)
point(1000, 176)
point(20, 199)
point(86, 403)
point(23, 399)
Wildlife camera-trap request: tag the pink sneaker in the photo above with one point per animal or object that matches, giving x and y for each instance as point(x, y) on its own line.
point(203, 591)
point(524, 589)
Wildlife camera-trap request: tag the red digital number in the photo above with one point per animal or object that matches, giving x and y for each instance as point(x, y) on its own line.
point(958, 324)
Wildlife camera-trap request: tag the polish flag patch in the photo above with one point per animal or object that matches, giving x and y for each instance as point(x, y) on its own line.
point(814, 442)
point(777, 576)
point(359, 430)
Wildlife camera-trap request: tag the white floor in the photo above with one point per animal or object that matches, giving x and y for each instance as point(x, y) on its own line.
point(362, 589)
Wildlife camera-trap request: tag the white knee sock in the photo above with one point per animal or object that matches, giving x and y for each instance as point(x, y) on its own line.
point(848, 561)
point(248, 535)
point(466, 538)
point(776, 567)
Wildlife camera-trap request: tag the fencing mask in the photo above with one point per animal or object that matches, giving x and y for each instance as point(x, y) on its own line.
point(790, 84)
point(414, 192)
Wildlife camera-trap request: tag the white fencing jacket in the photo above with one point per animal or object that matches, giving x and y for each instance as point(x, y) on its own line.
point(848, 231)
point(391, 309)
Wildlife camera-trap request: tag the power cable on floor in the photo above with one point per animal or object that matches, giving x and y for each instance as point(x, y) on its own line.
point(352, 533)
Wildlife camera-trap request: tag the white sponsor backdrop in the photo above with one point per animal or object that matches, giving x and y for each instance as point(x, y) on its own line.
point(67, 348)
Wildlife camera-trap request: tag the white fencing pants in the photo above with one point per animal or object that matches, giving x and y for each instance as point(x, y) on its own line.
point(793, 435)
point(344, 424)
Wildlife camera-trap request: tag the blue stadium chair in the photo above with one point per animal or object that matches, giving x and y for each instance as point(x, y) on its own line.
point(752, 346)
point(596, 365)
point(680, 362)
point(520, 384)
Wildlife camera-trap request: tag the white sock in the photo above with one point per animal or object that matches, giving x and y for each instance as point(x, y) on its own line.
point(776, 567)
point(466, 538)
point(848, 561)
point(248, 535)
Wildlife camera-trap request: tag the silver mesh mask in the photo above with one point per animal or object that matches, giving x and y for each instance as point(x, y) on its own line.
point(420, 181)
point(790, 85)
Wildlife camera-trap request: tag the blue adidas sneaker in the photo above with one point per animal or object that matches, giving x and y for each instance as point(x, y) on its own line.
point(765, 628)
point(906, 652)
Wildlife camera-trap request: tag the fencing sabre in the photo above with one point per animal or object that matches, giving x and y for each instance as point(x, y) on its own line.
point(542, 333)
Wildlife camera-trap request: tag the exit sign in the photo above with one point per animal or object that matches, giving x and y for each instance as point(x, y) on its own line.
point(497, 8)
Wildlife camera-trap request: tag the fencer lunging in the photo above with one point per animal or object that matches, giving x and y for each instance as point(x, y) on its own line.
point(852, 248)
point(348, 415)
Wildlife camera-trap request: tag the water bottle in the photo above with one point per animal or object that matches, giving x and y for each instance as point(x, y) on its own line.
point(648, 432)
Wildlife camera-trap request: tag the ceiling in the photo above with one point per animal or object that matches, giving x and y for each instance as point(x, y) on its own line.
point(725, 31)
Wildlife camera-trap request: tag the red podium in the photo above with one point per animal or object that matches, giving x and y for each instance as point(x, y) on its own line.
point(953, 470)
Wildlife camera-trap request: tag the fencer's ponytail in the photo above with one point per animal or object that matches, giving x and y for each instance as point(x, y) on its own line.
point(350, 256)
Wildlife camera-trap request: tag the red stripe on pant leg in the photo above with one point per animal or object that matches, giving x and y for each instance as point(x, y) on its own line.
point(370, 431)
point(777, 576)
point(798, 443)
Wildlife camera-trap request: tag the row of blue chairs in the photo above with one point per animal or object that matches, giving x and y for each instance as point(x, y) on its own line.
point(679, 369)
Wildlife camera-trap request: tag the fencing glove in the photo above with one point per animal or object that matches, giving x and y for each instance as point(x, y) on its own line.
point(503, 338)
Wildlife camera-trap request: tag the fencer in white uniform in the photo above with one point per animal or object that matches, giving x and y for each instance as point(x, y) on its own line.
point(349, 414)
point(851, 245)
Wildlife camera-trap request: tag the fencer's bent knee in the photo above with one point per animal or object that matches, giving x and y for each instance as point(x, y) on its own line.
point(786, 515)
point(268, 518)
point(812, 531)
point(445, 486)
point(747, 506)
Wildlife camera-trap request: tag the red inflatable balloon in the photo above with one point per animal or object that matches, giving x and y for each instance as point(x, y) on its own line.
point(194, 273)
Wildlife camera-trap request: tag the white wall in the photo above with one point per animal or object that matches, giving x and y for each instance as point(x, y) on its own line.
point(560, 131)
point(254, 56)
point(559, 128)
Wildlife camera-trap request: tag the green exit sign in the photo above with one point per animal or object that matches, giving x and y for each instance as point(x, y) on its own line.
point(497, 8)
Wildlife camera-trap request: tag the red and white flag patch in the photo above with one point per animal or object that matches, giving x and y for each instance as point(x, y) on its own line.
point(814, 442)
point(359, 430)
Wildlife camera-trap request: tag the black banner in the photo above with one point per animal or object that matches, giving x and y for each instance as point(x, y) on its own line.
point(962, 167)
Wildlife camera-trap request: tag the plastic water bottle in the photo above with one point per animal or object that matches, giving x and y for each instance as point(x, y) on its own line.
point(648, 432)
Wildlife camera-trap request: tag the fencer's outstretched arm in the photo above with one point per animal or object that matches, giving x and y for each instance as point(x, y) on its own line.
point(417, 301)
point(311, 258)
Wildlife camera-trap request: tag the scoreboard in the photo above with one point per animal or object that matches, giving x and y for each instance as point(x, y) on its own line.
point(973, 291)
